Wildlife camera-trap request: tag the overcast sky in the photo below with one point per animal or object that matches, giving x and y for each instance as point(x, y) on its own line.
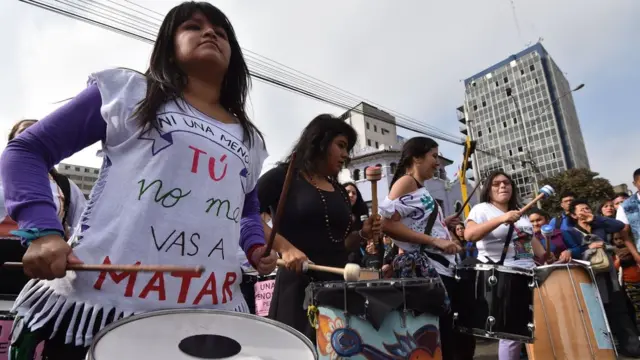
point(409, 56)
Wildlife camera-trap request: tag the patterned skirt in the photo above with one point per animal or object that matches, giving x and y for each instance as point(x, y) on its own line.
point(417, 265)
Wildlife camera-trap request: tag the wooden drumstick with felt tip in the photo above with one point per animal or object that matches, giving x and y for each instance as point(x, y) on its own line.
point(545, 192)
point(374, 174)
point(351, 272)
point(125, 268)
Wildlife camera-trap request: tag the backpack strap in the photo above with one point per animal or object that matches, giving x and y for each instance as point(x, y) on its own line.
point(558, 222)
point(65, 186)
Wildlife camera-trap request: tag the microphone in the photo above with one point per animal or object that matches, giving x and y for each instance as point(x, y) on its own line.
point(547, 231)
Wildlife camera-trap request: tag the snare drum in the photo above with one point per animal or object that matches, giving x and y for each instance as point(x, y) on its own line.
point(378, 319)
point(568, 315)
point(502, 307)
point(199, 334)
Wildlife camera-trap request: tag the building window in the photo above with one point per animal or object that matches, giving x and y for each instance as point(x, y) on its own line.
point(356, 174)
point(504, 123)
point(479, 133)
point(521, 71)
point(484, 103)
point(384, 131)
point(536, 80)
point(497, 84)
point(67, 167)
point(96, 171)
point(532, 68)
point(377, 146)
point(475, 107)
point(364, 172)
point(508, 90)
point(86, 170)
point(375, 128)
point(489, 130)
point(510, 153)
point(520, 148)
point(506, 79)
point(393, 167)
point(77, 168)
point(368, 142)
point(367, 125)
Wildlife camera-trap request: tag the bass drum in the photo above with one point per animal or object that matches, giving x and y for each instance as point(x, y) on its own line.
point(569, 317)
point(502, 303)
point(199, 334)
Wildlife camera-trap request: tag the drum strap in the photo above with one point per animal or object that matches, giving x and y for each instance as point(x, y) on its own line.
point(507, 242)
point(430, 221)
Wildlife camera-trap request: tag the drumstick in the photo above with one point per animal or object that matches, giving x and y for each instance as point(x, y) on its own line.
point(545, 191)
point(275, 218)
point(373, 174)
point(466, 202)
point(125, 268)
point(351, 272)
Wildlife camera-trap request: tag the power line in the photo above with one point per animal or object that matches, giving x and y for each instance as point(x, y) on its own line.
point(262, 68)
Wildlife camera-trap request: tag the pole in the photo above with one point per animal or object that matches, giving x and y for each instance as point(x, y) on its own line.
point(463, 178)
point(474, 156)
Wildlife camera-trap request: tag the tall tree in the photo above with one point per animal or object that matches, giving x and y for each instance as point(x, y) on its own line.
point(583, 182)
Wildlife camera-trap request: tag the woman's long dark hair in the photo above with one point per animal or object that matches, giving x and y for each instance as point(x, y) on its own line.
point(359, 208)
point(485, 195)
point(16, 126)
point(313, 145)
point(412, 148)
point(166, 81)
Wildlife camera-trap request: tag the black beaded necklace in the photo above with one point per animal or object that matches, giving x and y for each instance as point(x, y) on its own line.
point(326, 209)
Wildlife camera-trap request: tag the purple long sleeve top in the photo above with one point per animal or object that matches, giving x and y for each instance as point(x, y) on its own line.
point(27, 159)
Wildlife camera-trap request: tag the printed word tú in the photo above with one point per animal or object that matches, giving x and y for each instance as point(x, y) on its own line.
point(155, 288)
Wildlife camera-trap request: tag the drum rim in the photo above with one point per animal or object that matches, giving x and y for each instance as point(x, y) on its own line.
point(118, 323)
point(569, 265)
point(488, 267)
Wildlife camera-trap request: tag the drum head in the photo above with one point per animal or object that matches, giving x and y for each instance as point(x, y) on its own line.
point(199, 334)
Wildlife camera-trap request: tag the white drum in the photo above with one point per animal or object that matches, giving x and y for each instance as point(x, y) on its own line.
point(189, 334)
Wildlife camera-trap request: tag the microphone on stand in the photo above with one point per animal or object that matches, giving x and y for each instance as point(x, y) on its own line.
point(547, 231)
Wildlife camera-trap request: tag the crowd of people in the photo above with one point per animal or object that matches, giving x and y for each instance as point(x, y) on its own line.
point(194, 94)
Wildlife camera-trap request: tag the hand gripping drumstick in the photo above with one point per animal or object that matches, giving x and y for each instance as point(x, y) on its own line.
point(280, 210)
point(351, 272)
point(373, 174)
point(126, 268)
point(545, 192)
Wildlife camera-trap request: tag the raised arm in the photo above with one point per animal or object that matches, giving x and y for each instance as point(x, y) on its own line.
point(28, 158)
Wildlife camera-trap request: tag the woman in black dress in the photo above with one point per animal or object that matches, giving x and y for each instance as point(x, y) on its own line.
point(317, 223)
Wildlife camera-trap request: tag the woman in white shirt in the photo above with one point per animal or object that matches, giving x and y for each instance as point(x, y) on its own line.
point(406, 212)
point(488, 225)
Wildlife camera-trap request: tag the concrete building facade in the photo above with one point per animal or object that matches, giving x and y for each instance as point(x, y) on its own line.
point(522, 115)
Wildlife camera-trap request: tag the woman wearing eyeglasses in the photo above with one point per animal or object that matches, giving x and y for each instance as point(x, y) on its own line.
point(488, 226)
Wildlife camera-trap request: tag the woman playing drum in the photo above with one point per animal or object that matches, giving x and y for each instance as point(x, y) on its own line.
point(177, 146)
point(488, 224)
point(317, 224)
point(426, 252)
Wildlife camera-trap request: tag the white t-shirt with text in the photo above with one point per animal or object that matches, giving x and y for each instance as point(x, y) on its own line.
point(520, 252)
